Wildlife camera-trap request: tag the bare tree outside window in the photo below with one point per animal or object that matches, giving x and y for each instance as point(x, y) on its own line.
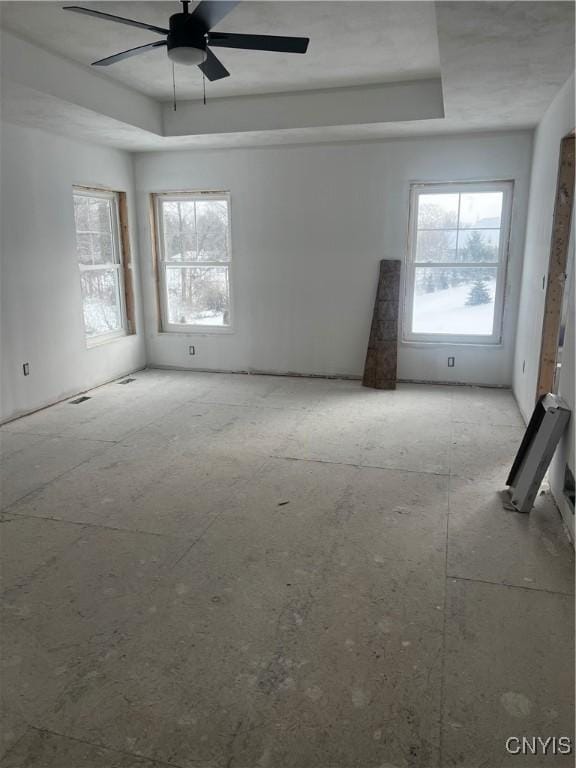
point(195, 260)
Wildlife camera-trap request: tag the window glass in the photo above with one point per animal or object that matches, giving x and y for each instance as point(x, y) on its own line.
point(454, 300)
point(198, 295)
point(98, 252)
point(457, 259)
point(437, 211)
point(436, 245)
point(480, 210)
point(478, 245)
point(101, 302)
point(194, 264)
point(179, 221)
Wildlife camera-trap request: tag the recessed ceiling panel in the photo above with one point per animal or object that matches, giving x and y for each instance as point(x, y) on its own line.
point(351, 43)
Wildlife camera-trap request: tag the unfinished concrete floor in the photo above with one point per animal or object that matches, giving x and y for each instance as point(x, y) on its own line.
point(219, 571)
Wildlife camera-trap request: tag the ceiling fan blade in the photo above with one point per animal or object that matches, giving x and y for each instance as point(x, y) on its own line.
point(210, 12)
point(127, 54)
point(259, 42)
point(213, 67)
point(118, 19)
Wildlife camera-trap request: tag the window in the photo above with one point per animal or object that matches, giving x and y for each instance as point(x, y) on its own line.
point(100, 262)
point(194, 261)
point(457, 262)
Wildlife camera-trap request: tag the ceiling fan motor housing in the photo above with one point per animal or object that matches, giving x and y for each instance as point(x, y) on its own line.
point(186, 39)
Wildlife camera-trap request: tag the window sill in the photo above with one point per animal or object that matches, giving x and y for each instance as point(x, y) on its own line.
point(451, 343)
point(100, 341)
point(197, 330)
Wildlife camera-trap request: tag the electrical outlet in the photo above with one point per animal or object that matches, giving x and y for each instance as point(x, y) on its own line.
point(451, 362)
point(191, 349)
point(26, 369)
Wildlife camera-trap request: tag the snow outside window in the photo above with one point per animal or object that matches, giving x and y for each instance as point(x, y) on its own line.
point(100, 263)
point(457, 263)
point(194, 261)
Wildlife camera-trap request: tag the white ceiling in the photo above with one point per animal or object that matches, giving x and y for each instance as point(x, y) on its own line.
point(504, 59)
point(351, 43)
point(501, 64)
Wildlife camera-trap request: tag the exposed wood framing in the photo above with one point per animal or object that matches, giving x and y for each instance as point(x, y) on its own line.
point(155, 265)
point(127, 262)
point(381, 358)
point(557, 266)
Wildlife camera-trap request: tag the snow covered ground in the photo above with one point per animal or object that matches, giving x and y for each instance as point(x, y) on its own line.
point(180, 312)
point(446, 311)
point(199, 318)
point(100, 317)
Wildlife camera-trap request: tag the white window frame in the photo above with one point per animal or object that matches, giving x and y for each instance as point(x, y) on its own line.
point(416, 189)
point(117, 264)
point(190, 328)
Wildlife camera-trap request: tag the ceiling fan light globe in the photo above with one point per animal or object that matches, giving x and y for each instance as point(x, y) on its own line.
point(186, 54)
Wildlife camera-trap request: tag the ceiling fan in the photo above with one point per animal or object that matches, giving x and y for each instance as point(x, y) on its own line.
point(189, 38)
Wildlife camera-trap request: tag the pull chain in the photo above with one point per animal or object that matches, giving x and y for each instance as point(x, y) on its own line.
point(203, 75)
point(174, 86)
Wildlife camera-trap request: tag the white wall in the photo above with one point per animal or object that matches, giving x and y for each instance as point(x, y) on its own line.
point(41, 301)
point(556, 123)
point(566, 451)
point(309, 226)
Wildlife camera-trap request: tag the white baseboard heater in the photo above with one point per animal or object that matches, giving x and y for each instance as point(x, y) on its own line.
point(543, 434)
